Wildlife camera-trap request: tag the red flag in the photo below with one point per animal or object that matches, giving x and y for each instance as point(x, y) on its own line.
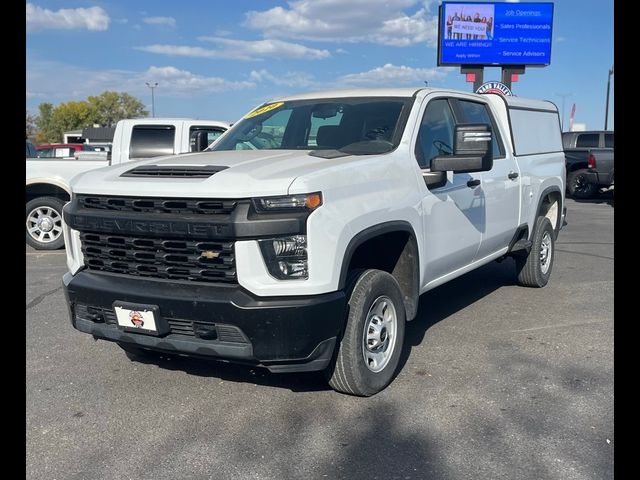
point(573, 114)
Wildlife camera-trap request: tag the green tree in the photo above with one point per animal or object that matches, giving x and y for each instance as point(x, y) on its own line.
point(111, 107)
point(105, 110)
point(43, 122)
point(31, 125)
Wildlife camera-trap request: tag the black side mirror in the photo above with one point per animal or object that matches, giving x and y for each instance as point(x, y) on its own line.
point(472, 151)
point(202, 141)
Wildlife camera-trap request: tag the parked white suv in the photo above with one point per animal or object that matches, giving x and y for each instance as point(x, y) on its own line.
point(303, 240)
point(47, 187)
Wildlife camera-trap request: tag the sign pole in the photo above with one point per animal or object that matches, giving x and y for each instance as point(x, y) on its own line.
point(473, 73)
point(510, 74)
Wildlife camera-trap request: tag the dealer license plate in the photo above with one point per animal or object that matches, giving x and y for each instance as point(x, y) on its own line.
point(141, 318)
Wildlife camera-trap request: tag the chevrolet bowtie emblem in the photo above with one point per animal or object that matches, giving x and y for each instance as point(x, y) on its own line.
point(209, 254)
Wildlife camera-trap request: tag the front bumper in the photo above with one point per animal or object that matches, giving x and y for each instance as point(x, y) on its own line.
point(283, 334)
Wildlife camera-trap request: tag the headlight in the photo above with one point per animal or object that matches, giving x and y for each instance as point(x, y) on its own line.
point(286, 257)
point(303, 202)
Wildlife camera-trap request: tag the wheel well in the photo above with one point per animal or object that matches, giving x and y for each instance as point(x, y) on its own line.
point(577, 166)
point(37, 190)
point(550, 208)
point(395, 252)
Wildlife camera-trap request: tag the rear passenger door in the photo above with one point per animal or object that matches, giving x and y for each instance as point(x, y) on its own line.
point(500, 186)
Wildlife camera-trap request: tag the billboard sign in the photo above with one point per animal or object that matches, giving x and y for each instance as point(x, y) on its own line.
point(495, 33)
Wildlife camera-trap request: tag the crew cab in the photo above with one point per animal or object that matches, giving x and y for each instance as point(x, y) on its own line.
point(303, 238)
point(47, 185)
point(589, 161)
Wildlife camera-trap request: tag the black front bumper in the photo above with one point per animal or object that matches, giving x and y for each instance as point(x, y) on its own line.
point(283, 334)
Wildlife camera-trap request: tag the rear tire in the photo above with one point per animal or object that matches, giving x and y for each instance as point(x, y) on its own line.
point(534, 269)
point(578, 187)
point(370, 349)
point(44, 223)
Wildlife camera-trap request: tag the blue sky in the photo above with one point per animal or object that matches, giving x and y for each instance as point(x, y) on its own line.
point(218, 59)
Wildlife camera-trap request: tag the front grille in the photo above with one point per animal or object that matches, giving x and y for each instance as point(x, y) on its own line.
point(177, 326)
point(199, 261)
point(162, 171)
point(157, 205)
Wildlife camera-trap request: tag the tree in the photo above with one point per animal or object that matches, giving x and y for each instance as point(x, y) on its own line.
point(43, 122)
point(111, 107)
point(105, 110)
point(31, 125)
point(70, 116)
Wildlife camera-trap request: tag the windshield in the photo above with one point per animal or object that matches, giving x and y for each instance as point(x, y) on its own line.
point(357, 126)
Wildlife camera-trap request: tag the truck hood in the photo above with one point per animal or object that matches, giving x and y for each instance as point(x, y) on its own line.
point(248, 173)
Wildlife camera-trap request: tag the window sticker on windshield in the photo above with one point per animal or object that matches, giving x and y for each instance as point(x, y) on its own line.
point(265, 109)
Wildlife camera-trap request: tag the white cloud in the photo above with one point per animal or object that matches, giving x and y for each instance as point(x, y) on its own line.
point(58, 81)
point(93, 18)
point(183, 81)
point(289, 79)
point(392, 75)
point(377, 21)
point(165, 21)
point(240, 49)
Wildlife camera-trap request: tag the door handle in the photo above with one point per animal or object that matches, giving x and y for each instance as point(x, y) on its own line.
point(473, 183)
point(513, 175)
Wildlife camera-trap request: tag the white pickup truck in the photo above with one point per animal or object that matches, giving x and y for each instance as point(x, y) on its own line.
point(47, 188)
point(303, 240)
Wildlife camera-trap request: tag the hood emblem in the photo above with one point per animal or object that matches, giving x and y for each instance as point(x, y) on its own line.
point(209, 254)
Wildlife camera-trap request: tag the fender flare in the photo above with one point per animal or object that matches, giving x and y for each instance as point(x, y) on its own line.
point(545, 192)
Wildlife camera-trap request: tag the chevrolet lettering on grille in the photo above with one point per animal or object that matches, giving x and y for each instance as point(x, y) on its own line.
point(113, 225)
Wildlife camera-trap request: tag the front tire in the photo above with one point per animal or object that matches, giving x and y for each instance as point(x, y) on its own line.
point(44, 223)
point(534, 269)
point(578, 186)
point(370, 349)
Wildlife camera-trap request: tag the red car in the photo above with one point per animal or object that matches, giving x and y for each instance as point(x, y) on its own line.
point(60, 149)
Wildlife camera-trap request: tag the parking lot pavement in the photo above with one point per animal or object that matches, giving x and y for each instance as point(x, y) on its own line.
point(498, 382)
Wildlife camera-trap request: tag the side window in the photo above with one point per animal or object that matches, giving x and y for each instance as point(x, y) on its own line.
point(212, 134)
point(45, 153)
point(608, 140)
point(474, 112)
point(587, 140)
point(152, 141)
point(436, 132)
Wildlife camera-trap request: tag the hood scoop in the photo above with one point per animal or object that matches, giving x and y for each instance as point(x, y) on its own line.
point(173, 171)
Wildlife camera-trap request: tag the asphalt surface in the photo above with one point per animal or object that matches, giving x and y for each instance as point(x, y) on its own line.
point(498, 382)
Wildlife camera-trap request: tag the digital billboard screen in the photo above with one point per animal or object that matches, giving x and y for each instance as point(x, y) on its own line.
point(495, 33)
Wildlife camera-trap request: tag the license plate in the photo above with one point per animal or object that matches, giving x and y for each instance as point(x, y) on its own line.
point(137, 318)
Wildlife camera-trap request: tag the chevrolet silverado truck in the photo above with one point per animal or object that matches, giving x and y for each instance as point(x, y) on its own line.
point(589, 162)
point(47, 187)
point(304, 238)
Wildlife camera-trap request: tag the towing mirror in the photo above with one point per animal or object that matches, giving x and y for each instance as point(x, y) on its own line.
point(472, 150)
point(202, 140)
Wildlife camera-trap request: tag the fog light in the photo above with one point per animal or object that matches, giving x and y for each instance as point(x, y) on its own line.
point(286, 257)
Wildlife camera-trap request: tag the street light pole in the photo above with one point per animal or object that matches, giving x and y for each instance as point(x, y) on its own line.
point(606, 108)
point(153, 103)
point(563, 96)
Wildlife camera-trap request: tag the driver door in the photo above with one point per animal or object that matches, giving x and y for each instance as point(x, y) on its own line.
point(452, 204)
